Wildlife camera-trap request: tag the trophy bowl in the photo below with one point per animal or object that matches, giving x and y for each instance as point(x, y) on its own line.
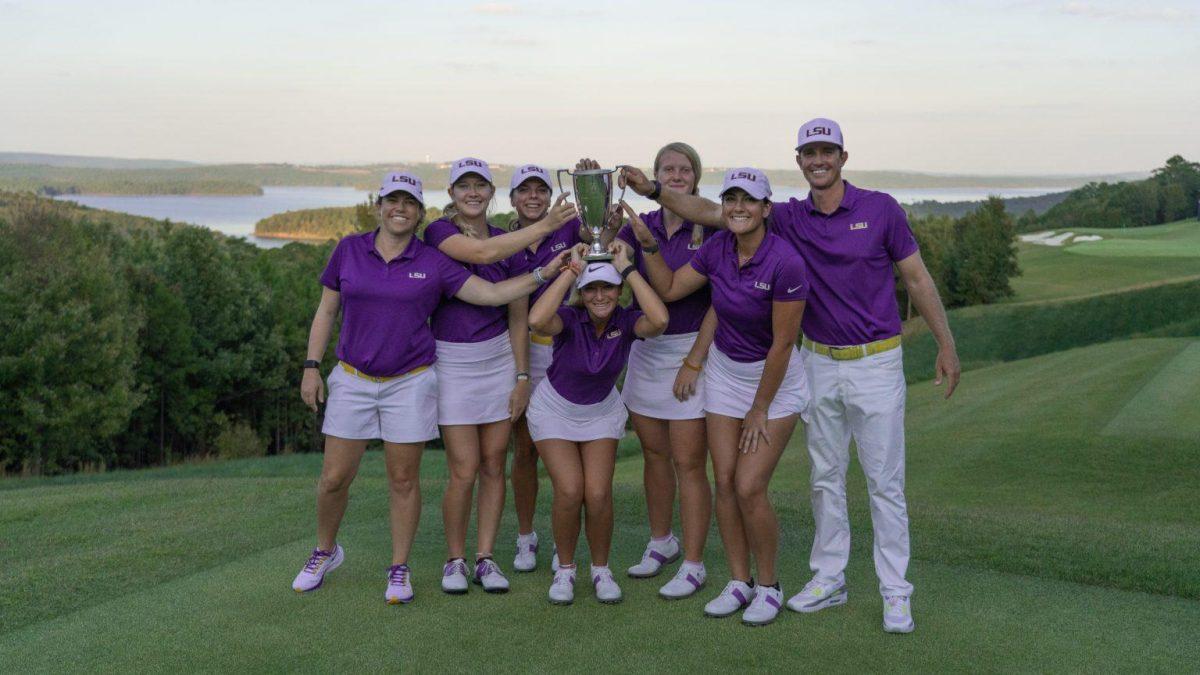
point(593, 199)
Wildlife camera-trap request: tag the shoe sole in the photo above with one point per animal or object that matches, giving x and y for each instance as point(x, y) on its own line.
point(398, 601)
point(757, 624)
point(725, 616)
point(899, 631)
point(656, 572)
point(562, 603)
point(832, 601)
point(610, 602)
point(454, 591)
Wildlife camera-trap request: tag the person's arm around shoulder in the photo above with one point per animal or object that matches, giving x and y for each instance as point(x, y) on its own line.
point(494, 249)
point(312, 386)
point(925, 297)
point(670, 286)
point(695, 208)
point(479, 291)
point(654, 318)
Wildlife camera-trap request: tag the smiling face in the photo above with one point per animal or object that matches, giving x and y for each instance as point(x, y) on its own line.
point(676, 173)
point(399, 213)
point(743, 213)
point(821, 163)
point(471, 194)
point(531, 199)
point(600, 299)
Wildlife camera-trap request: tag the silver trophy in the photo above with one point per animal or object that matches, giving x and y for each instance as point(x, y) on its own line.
point(593, 198)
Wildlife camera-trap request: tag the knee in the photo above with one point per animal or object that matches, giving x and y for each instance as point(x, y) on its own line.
point(568, 496)
point(492, 468)
point(464, 471)
point(334, 482)
point(403, 483)
point(689, 464)
point(726, 486)
point(598, 498)
point(750, 492)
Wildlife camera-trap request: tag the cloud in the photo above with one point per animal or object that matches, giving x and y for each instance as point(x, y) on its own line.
point(1089, 10)
point(496, 9)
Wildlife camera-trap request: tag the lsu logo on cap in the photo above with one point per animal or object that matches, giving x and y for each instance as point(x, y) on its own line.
point(743, 175)
point(762, 285)
point(401, 178)
point(470, 162)
point(531, 169)
point(818, 131)
point(859, 226)
point(416, 275)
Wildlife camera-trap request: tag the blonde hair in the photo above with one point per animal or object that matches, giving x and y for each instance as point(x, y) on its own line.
point(693, 158)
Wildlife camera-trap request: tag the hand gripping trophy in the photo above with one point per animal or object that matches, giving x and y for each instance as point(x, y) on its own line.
point(593, 197)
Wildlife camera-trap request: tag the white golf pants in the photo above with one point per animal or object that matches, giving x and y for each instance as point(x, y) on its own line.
point(864, 400)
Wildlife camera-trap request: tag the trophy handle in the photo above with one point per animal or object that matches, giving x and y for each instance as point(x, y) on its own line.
point(623, 187)
point(558, 177)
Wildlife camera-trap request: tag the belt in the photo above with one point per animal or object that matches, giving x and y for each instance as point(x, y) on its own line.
point(852, 352)
point(539, 339)
point(358, 373)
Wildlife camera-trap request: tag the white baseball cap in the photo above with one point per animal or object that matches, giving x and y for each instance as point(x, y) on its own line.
point(524, 173)
point(598, 271)
point(466, 165)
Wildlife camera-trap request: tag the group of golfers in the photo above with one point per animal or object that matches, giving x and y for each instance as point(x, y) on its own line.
point(747, 315)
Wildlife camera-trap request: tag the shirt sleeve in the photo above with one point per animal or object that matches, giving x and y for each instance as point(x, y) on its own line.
point(898, 240)
point(331, 278)
point(451, 274)
point(791, 279)
point(566, 314)
point(438, 231)
point(631, 319)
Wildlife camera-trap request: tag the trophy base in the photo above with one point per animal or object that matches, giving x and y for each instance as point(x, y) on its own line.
point(598, 257)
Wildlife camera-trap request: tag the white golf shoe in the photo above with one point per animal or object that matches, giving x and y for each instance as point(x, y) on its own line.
point(488, 575)
point(818, 595)
point(764, 608)
point(657, 554)
point(607, 590)
point(562, 591)
point(320, 563)
point(526, 558)
point(735, 596)
point(688, 579)
point(897, 614)
point(454, 577)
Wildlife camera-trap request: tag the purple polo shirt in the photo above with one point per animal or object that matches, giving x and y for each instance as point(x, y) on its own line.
point(386, 305)
point(458, 321)
point(742, 296)
point(548, 249)
point(677, 250)
point(849, 254)
point(584, 367)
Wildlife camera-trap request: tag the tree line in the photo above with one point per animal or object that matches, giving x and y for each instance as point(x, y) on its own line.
point(1170, 194)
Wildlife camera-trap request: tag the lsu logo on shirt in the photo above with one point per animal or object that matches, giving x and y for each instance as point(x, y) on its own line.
point(558, 247)
point(416, 275)
point(616, 333)
point(762, 285)
point(859, 226)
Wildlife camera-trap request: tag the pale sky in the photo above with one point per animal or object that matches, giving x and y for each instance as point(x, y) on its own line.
point(1080, 86)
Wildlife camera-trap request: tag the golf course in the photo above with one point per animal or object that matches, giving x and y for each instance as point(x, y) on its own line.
point(1054, 505)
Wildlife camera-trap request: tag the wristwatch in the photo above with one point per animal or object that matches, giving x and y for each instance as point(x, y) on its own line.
point(522, 377)
point(653, 196)
point(312, 363)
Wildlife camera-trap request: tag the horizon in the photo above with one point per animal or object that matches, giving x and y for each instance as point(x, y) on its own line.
point(1000, 87)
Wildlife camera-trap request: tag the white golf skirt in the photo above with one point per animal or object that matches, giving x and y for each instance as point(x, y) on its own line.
point(540, 355)
point(730, 387)
point(552, 416)
point(474, 380)
point(650, 379)
point(402, 410)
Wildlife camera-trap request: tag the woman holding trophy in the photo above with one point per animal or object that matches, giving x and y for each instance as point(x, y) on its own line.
point(576, 415)
point(481, 351)
point(529, 193)
point(386, 284)
point(664, 394)
point(755, 388)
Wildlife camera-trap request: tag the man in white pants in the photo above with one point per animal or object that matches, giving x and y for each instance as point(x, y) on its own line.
point(850, 239)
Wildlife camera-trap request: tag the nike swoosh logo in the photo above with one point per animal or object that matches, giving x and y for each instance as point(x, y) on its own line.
point(793, 290)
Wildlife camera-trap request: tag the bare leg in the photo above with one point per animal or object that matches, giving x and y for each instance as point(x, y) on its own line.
point(752, 477)
point(723, 436)
point(563, 462)
point(404, 495)
point(462, 455)
point(524, 477)
point(599, 460)
point(493, 444)
point(658, 475)
point(338, 469)
point(689, 454)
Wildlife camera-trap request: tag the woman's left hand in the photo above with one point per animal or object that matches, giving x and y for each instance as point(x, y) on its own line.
point(518, 400)
point(754, 431)
point(620, 252)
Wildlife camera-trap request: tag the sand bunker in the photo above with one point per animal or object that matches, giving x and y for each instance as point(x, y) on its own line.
point(1050, 239)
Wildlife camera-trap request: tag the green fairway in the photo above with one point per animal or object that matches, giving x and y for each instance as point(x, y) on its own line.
point(1041, 541)
point(1125, 258)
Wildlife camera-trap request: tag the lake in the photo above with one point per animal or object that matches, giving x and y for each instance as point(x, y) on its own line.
point(236, 215)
